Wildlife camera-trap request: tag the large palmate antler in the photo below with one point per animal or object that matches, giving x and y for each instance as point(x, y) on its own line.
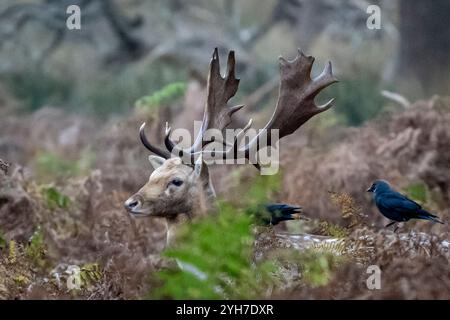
point(217, 113)
point(297, 91)
point(296, 96)
point(295, 106)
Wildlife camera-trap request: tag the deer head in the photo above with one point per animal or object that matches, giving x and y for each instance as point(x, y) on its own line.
point(180, 183)
point(172, 188)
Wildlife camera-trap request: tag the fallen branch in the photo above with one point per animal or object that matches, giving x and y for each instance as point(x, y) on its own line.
point(396, 97)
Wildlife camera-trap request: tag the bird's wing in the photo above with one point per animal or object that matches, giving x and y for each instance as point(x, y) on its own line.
point(282, 208)
point(406, 198)
point(277, 212)
point(398, 202)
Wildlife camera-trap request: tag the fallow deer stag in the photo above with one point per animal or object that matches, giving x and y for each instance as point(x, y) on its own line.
point(180, 186)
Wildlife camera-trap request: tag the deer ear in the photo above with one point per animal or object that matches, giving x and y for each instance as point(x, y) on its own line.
point(201, 168)
point(201, 174)
point(156, 161)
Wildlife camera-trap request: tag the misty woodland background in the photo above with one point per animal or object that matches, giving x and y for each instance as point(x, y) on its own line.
point(71, 103)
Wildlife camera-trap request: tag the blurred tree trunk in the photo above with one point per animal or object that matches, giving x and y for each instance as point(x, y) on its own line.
point(424, 45)
point(310, 22)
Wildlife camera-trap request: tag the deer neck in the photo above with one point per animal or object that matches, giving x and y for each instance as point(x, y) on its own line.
point(173, 224)
point(203, 203)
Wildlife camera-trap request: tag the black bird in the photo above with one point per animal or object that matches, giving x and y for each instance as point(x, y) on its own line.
point(274, 213)
point(397, 207)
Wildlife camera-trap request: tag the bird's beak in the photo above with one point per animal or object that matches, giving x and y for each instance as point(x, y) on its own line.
point(370, 189)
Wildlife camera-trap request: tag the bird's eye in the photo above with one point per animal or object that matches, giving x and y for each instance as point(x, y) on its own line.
point(177, 182)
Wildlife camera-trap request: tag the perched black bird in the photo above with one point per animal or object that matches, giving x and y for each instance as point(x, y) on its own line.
point(274, 213)
point(397, 207)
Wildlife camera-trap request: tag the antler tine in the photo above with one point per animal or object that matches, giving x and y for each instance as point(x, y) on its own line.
point(231, 63)
point(325, 106)
point(232, 83)
point(324, 79)
point(167, 141)
point(309, 60)
point(214, 65)
point(149, 146)
point(235, 109)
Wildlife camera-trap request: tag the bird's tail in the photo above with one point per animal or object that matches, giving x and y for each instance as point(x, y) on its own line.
point(423, 214)
point(282, 212)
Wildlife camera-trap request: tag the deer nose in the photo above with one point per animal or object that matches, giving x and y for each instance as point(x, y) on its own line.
point(132, 204)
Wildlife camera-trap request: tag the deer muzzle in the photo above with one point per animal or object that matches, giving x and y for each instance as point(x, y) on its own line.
point(134, 205)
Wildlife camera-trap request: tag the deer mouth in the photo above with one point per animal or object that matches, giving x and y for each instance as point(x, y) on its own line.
point(138, 213)
point(134, 206)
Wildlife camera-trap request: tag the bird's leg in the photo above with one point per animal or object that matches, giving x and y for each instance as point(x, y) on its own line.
point(390, 224)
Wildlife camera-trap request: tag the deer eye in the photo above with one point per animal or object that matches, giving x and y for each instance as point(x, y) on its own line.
point(177, 182)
